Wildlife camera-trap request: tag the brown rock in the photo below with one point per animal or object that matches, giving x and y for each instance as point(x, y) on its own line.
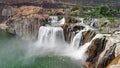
point(108, 57)
point(70, 31)
point(115, 62)
point(71, 20)
point(94, 50)
point(66, 29)
point(59, 12)
point(88, 35)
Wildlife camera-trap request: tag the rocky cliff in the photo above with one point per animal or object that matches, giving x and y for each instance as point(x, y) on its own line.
point(103, 53)
point(24, 21)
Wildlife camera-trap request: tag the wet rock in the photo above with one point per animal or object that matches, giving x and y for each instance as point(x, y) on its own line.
point(108, 57)
point(115, 38)
point(66, 29)
point(70, 31)
point(116, 61)
point(94, 50)
point(88, 35)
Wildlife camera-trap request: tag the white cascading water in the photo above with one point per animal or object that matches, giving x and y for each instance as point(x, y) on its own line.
point(51, 41)
point(62, 21)
point(50, 36)
point(77, 39)
point(93, 21)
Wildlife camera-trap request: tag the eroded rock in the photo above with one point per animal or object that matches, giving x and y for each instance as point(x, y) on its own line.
point(25, 28)
point(108, 57)
point(94, 50)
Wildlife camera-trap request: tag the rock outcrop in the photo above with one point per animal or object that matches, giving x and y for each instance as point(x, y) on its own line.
point(88, 35)
point(104, 53)
point(25, 28)
point(94, 50)
point(115, 63)
point(69, 29)
point(108, 57)
point(24, 21)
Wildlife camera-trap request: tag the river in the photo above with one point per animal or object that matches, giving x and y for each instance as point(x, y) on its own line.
point(13, 55)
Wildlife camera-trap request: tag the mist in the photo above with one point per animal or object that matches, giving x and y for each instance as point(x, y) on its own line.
point(18, 53)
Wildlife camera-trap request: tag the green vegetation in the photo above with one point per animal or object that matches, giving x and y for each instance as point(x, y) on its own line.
point(111, 20)
point(103, 11)
point(98, 12)
point(104, 24)
point(87, 18)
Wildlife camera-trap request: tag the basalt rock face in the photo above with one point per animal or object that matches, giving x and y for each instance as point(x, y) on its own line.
point(116, 61)
point(111, 51)
point(88, 35)
point(94, 50)
point(24, 21)
point(108, 57)
point(25, 28)
point(104, 53)
point(70, 30)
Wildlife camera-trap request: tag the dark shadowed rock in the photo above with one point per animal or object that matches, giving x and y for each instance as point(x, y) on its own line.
point(70, 31)
point(71, 20)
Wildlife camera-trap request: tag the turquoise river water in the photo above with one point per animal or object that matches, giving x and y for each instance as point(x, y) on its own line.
point(13, 52)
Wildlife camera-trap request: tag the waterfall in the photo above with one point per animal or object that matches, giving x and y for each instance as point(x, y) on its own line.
point(93, 21)
point(77, 39)
point(50, 36)
point(51, 41)
point(53, 20)
point(62, 21)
